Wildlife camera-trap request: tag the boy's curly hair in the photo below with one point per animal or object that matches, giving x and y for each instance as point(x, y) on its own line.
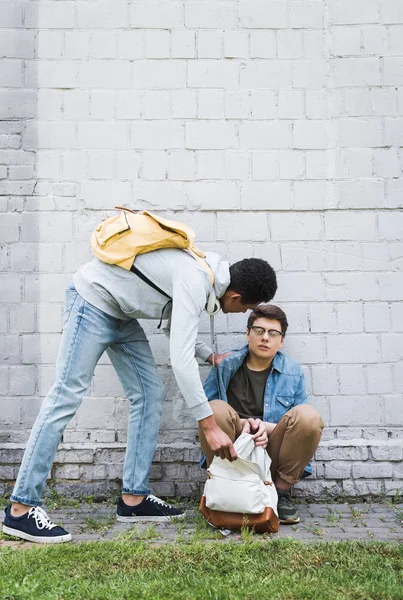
point(254, 279)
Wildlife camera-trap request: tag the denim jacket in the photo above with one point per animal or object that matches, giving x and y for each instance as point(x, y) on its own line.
point(285, 386)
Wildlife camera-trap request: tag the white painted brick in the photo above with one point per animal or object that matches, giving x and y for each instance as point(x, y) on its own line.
point(309, 285)
point(270, 74)
point(101, 165)
point(105, 74)
point(158, 74)
point(360, 11)
point(392, 12)
point(22, 318)
point(386, 162)
point(262, 15)
point(393, 131)
point(294, 257)
point(352, 286)
point(22, 380)
point(308, 74)
point(394, 193)
point(207, 15)
point(183, 44)
point(397, 316)
point(236, 104)
point(264, 165)
point(393, 70)
point(398, 371)
point(314, 44)
point(377, 317)
point(371, 471)
point(306, 14)
point(46, 227)
point(77, 44)
point(181, 165)
point(103, 45)
point(98, 194)
point(99, 135)
point(183, 104)
point(23, 257)
point(154, 165)
point(102, 105)
point(396, 39)
point(393, 410)
point(127, 164)
point(211, 104)
point(242, 227)
point(11, 72)
point(391, 347)
point(210, 135)
point(375, 38)
point(310, 134)
point(390, 225)
point(297, 226)
point(51, 74)
point(352, 380)
point(50, 258)
point(49, 135)
point(159, 194)
point(380, 379)
point(209, 44)
point(212, 196)
point(9, 349)
point(344, 226)
point(156, 105)
point(349, 318)
point(305, 348)
point(212, 74)
point(390, 285)
point(49, 318)
point(316, 104)
point(16, 104)
point(353, 411)
point(236, 43)
point(262, 44)
point(75, 166)
point(157, 43)
point(130, 44)
point(357, 102)
point(156, 15)
point(101, 14)
point(11, 14)
point(323, 318)
point(237, 165)
point(289, 44)
point(317, 164)
point(345, 41)
point(254, 134)
point(291, 105)
point(264, 195)
point(211, 164)
point(357, 71)
point(324, 380)
point(128, 105)
point(352, 348)
point(263, 104)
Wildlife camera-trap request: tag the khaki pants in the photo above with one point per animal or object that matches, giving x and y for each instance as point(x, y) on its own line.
point(291, 445)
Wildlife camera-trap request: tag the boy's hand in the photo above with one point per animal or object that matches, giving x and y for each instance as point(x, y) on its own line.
point(217, 358)
point(219, 442)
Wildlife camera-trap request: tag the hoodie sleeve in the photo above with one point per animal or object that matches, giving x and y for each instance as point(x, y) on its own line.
point(188, 300)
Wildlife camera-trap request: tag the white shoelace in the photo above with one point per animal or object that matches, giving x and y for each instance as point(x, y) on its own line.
point(158, 500)
point(41, 518)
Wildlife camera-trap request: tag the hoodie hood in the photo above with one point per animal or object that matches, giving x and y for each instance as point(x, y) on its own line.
point(220, 269)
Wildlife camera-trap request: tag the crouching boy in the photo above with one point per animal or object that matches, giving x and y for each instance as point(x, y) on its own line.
point(260, 390)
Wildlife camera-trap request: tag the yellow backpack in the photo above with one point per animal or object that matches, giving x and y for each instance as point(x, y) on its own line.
point(119, 239)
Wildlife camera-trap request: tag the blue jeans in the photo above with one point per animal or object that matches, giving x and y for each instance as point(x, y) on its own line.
point(87, 333)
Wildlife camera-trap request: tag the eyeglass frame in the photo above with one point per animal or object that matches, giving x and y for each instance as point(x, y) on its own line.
point(254, 327)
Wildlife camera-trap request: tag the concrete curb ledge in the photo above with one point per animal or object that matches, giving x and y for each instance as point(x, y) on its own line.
point(350, 468)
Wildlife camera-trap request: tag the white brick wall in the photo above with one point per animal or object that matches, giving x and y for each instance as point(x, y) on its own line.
point(274, 128)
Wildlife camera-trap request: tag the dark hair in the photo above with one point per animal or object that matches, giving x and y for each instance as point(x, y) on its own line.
point(269, 311)
point(254, 279)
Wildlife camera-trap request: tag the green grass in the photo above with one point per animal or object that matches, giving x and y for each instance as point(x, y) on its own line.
point(279, 569)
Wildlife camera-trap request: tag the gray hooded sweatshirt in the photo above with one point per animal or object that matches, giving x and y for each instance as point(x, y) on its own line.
point(123, 295)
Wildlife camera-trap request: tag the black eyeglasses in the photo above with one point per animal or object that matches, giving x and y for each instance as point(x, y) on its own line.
point(260, 331)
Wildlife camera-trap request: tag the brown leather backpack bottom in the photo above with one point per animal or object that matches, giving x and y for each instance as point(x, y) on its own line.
point(265, 522)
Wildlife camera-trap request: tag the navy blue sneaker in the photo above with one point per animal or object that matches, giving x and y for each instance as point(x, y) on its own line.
point(34, 526)
point(150, 509)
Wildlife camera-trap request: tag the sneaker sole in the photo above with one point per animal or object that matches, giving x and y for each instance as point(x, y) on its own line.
point(36, 539)
point(289, 521)
point(150, 519)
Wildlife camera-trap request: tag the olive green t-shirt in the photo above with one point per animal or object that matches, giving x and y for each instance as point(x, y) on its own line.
point(246, 392)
